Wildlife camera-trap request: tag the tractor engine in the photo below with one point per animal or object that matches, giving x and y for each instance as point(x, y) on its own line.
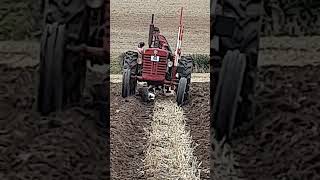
point(156, 65)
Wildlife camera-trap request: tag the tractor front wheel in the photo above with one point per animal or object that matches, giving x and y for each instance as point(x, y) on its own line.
point(181, 92)
point(129, 68)
point(126, 83)
point(185, 70)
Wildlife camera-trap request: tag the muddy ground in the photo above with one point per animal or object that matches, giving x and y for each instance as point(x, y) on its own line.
point(66, 145)
point(197, 112)
point(289, 97)
point(20, 19)
point(283, 142)
point(130, 120)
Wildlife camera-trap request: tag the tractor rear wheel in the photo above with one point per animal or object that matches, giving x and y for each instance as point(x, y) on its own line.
point(61, 82)
point(50, 91)
point(181, 92)
point(186, 64)
point(129, 84)
point(185, 70)
point(126, 83)
point(243, 35)
point(62, 73)
point(228, 93)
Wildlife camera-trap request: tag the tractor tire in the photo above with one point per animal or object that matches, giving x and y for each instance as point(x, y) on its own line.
point(228, 92)
point(62, 73)
point(129, 69)
point(126, 77)
point(185, 64)
point(181, 92)
point(130, 60)
point(245, 38)
point(50, 91)
point(61, 82)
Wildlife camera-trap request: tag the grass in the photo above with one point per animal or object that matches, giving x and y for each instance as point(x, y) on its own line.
point(169, 153)
point(115, 67)
point(200, 63)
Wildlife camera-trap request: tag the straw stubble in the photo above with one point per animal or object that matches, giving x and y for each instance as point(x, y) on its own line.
point(169, 154)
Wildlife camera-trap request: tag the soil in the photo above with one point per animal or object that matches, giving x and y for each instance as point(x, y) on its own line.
point(282, 142)
point(197, 112)
point(130, 122)
point(20, 19)
point(293, 51)
point(65, 145)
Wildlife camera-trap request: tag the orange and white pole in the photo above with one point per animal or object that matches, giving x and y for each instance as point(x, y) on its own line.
point(179, 41)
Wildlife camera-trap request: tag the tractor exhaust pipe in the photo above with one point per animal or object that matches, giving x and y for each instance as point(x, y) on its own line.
point(151, 31)
point(152, 17)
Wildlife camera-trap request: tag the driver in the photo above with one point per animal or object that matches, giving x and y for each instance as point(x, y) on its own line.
point(163, 43)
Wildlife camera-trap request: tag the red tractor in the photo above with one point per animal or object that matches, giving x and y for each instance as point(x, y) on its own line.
point(161, 69)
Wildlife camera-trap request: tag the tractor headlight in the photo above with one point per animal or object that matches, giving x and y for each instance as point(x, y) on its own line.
point(170, 63)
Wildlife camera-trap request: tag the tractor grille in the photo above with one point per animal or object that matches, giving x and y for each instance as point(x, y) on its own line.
point(154, 68)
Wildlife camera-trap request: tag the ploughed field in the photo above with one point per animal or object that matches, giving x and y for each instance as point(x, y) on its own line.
point(282, 142)
point(150, 140)
point(65, 145)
